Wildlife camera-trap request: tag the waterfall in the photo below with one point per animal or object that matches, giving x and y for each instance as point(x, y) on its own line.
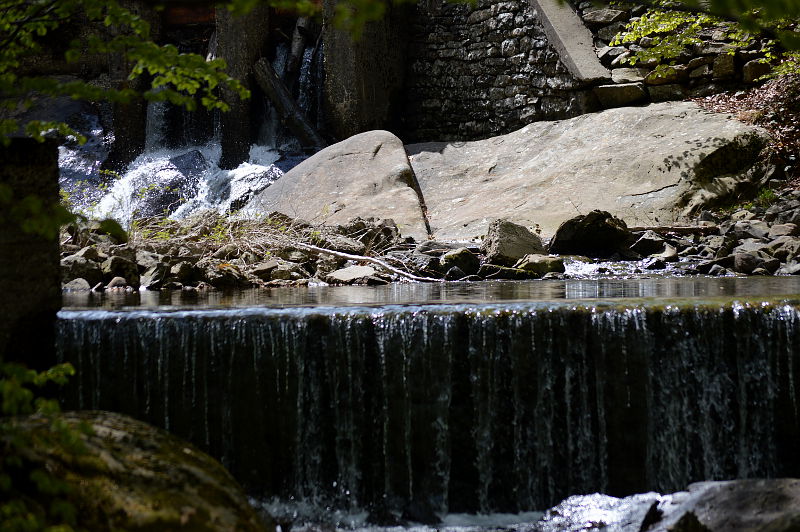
point(456, 407)
point(179, 173)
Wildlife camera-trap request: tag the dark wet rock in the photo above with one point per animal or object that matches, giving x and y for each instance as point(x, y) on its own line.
point(454, 274)
point(222, 274)
point(379, 514)
point(540, 264)
point(287, 270)
point(746, 263)
point(597, 234)
point(154, 277)
point(689, 522)
point(132, 476)
point(351, 275)
point(184, 272)
point(770, 264)
point(706, 265)
point(461, 258)
point(162, 186)
point(649, 243)
point(89, 253)
point(117, 266)
point(506, 242)
point(75, 266)
point(77, 285)
point(420, 512)
point(654, 264)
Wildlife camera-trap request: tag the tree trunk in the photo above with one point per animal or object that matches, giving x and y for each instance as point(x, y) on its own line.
point(30, 277)
point(240, 41)
point(289, 112)
point(364, 79)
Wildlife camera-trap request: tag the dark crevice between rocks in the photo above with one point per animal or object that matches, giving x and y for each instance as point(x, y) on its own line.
point(414, 184)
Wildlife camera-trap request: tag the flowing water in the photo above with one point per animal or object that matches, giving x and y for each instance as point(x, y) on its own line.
point(177, 175)
point(365, 405)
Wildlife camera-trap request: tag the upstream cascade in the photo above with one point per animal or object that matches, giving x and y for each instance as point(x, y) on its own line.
point(453, 407)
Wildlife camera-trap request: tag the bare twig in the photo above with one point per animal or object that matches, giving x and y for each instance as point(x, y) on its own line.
point(349, 256)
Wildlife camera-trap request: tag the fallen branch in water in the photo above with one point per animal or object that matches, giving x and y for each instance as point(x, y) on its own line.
point(349, 256)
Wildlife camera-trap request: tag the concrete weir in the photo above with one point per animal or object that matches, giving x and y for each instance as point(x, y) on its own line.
point(459, 408)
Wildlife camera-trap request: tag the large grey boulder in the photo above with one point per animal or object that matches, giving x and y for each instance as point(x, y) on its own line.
point(128, 476)
point(646, 165)
point(367, 176)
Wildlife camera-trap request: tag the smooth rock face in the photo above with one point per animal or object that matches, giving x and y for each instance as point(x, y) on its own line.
point(351, 274)
point(646, 165)
point(137, 477)
point(367, 175)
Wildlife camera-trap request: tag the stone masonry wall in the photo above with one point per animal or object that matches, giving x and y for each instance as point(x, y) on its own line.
point(480, 71)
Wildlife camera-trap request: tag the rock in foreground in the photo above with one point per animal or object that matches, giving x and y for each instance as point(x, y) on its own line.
point(765, 505)
point(136, 477)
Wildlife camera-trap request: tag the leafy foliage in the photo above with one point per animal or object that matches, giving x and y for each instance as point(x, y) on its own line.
point(31, 213)
point(33, 498)
point(670, 30)
point(25, 24)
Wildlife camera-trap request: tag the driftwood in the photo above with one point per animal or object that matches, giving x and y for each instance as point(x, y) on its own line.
point(288, 111)
point(678, 229)
point(363, 258)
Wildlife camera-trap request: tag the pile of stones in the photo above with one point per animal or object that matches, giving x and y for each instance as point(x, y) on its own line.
point(705, 68)
point(758, 240)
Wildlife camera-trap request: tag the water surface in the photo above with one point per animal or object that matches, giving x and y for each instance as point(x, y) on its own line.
point(648, 290)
